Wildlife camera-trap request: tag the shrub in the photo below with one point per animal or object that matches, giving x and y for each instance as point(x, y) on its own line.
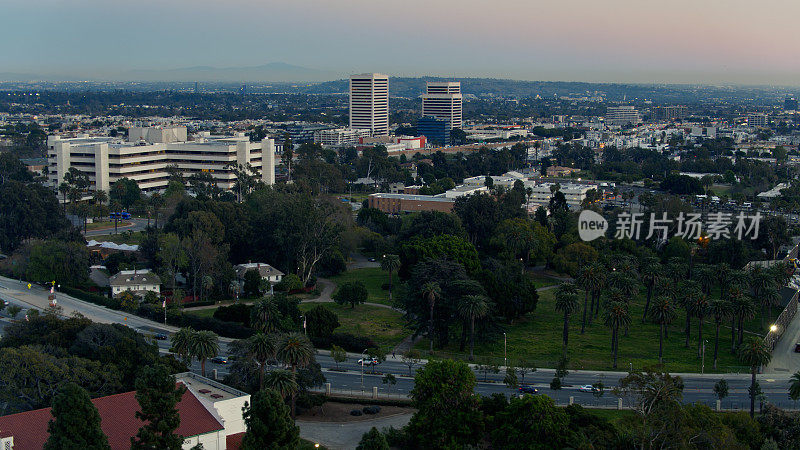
point(356, 412)
point(234, 313)
point(90, 297)
point(372, 409)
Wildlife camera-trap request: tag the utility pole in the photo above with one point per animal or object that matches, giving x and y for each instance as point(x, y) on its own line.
point(505, 350)
point(703, 363)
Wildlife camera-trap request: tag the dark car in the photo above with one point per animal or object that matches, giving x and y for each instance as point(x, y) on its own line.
point(219, 360)
point(797, 347)
point(161, 337)
point(527, 389)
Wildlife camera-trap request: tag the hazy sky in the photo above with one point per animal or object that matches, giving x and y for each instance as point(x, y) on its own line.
point(740, 41)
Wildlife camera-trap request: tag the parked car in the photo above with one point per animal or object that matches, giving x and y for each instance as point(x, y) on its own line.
point(527, 389)
point(161, 336)
point(797, 347)
point(369, 361)
point(588, 388)
point(219, 360)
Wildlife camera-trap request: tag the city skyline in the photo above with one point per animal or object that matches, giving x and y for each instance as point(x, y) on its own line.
point(614, 41)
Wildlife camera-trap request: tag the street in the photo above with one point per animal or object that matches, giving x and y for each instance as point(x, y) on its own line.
point(698, 387)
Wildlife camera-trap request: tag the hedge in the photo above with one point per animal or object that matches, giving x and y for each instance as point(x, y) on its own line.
point(347, 341)
point(91, 297)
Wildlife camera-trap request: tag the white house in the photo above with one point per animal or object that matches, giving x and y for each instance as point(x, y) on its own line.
point(137, 281)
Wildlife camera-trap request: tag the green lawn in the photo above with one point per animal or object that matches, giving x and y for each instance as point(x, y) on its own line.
point(122, 237)
point(537, 340)
point(373, 278)
point(208, 313)
point(383, 325)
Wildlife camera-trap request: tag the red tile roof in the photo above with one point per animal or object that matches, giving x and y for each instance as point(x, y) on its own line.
point(118, 420)
point(234, 441)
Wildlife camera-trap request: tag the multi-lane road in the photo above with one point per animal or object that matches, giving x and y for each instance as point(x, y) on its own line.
point(698, 387)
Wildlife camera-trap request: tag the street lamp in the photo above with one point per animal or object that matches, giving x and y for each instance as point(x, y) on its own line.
point(505, 350)
point(773, 328)
point(362, 368)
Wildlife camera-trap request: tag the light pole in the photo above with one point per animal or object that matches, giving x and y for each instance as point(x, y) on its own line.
point(362, 368)
point(703, 363)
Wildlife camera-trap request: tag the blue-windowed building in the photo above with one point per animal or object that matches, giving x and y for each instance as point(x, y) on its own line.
point(437, 131)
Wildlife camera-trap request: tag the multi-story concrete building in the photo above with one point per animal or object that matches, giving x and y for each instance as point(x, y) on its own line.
point(369, 103)
point(340, 136)
point(757, 120)
point(443, 101)
point(622, 115)
point(148, 152)
point(400, 203)
point(669, 112)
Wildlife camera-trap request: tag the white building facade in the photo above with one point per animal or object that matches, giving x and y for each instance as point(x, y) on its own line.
point(340, 136)
point(443, 100)
point(369, 103)
point(144, 158)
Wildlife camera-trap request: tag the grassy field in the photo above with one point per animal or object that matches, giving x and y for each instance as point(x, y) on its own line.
point(373, 278)
point(537, 340)
point(383, 325)
point(123, 237)
point(202, 312)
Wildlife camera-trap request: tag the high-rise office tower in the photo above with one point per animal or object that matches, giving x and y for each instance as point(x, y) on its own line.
point(443, 101)
point(369, 103)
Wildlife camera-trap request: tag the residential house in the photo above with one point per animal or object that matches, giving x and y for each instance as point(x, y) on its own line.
point(139, 282)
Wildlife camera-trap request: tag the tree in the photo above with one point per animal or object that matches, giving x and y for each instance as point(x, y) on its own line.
point(76, 422)
point(182, 343)
point(13, 310)
point(295, 350)
point(252, 283)
point(261, 348)
point(321, 322)
point(203, 345)
point(411, 358)
point(720, 309)
point(373, 440)
point(794, 386)
point(338, 354)
point(281, 381)
point(524, 368)
point(616, 316)
point(447, 411)
point(158, 397)
point(650, 271)
point(389, 379)
point(431, 291)
point(663, 313)
point(590, 279)
point(755, 354)
point(473, 307)
point(172, 256)
point(351, 293)
point(125, 191)
point(268, 424)
point(532, 421)
point(721, 389)
point(567, 303)
point(390, 263)
point(691, 295)
point(265, 316)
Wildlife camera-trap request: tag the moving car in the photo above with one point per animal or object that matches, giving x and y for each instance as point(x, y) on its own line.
point(527, 389)
point(369, 361)
point(161, 336)
point(219, 360)
point(588, 388)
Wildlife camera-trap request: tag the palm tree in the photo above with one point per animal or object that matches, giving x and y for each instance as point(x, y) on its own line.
point(663, 313)
point(181, 343)
point(723, 278)
point(700, 309)
point(470, 308)
point(794, 386)
point(690, 290)
point(207, 283)
point(282, 381)
point(677, 269)
point(616, 316)
point(566, 302)
point(755, 354)
point(650, 271)
point(390, 263)
point(589, 280)
point(295, 350)
point(744, 309)
point(261, 348)
point(431, 291)
point(705, 275)
point(601, 278)
point(760, 281)
point(265, 316)
point(203, 345)
point(64, 189)
point(770, 297)
point(720, 309)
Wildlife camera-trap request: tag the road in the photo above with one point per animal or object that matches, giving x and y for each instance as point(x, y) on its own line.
point(136, 225)
point(698, 387)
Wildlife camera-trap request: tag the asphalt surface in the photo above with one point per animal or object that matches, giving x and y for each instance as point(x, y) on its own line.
point(698, 387)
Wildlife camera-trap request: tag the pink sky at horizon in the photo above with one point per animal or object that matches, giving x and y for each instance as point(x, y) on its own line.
point(699, 41)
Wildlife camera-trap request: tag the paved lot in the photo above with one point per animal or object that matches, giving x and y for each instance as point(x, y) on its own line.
point(346, 435)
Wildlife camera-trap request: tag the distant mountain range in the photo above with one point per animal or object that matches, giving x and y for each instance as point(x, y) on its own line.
point(271, 72)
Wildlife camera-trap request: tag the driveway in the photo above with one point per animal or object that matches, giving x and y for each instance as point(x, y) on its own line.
point(346, 435)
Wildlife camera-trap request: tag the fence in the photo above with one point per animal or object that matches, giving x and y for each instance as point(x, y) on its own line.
point(782, 322)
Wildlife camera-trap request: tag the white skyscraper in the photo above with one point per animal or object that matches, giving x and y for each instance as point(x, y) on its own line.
point(369, 103)
point(443, 101)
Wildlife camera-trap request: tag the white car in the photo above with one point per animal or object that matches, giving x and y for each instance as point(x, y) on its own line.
point(587, 388)
point(369, 361)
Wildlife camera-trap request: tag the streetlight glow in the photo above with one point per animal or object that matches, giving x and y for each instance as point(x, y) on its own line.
point(773, 328)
